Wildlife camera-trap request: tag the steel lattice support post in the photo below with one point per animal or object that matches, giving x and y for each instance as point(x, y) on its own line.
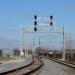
point(21, 41)
point(63, 46)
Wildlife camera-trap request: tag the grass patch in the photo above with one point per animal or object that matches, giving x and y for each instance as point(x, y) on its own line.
point(7, 58)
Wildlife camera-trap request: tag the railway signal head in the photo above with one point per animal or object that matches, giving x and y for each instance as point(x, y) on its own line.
point(33, 42)
point(35, 23)
point(51, 23)
point(39, 41)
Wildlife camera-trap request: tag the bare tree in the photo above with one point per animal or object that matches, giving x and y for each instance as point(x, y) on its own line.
point(68, 46)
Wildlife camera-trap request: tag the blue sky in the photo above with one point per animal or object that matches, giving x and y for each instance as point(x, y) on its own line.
point(13, 13)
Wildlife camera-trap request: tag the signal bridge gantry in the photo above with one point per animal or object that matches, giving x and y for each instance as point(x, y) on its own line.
point(38, 28)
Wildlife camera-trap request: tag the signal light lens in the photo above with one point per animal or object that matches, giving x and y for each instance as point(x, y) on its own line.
point(35, 23)
point(51, 23)
point(35, 29)
point(51, 17)
point(35, 17)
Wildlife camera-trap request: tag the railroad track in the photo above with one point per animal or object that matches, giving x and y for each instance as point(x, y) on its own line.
point(25, 70)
